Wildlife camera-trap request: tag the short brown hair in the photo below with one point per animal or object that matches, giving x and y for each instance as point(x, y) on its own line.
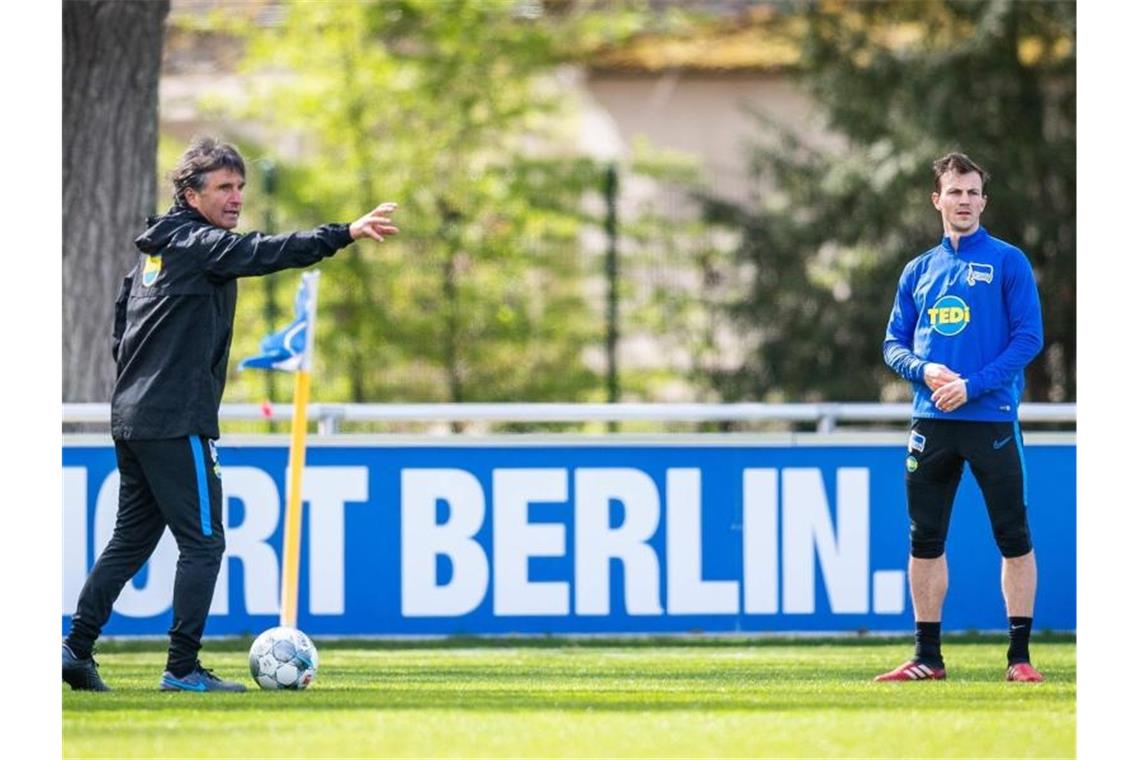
point(204, 155)
point(959, 163)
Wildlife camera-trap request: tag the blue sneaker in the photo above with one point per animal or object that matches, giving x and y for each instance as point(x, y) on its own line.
point(81, 675)
point(199, 679)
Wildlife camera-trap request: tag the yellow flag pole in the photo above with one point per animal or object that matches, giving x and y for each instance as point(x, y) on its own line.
point(291, 549)
point(291, 553)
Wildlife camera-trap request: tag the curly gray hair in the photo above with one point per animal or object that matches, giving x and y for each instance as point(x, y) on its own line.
point(204, 155)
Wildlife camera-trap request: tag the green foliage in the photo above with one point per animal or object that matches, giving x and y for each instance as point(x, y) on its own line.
point(902, 83)
point(671, 262)
point(448, 107)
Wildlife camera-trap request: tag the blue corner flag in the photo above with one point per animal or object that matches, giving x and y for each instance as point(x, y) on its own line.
point(290, 349)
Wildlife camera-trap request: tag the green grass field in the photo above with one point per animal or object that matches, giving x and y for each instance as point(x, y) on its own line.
point(588, 698)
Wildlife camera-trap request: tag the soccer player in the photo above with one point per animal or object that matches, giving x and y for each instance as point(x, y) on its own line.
point(174, 319)
point(966, 321)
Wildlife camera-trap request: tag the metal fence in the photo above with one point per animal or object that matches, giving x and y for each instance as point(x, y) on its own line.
point(826, 416)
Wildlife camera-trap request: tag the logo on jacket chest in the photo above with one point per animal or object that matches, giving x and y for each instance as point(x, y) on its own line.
point(151, 270)
point(949, 315)
point(976, 273)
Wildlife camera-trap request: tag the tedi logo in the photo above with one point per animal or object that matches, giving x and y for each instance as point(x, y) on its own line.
point(949, 315)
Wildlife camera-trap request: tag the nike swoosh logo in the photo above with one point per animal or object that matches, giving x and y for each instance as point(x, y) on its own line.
point(1002, 442)
point(185, 686)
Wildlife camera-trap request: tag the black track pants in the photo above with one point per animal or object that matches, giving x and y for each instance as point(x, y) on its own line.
point(164, 483)
point(936, 455)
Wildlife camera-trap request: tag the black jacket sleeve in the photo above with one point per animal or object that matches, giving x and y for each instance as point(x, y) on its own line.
point(229, 255)
point(121, 313)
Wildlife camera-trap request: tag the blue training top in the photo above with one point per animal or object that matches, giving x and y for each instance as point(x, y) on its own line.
point(976, 310)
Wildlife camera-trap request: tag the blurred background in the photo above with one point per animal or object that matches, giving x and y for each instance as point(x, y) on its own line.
point(599, 201)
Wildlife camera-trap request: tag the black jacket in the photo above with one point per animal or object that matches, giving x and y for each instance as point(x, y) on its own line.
point(174, 318)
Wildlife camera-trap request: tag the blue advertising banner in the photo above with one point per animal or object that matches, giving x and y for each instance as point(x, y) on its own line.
point(582, 538)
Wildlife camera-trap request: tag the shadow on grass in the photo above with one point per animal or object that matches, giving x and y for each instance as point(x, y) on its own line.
point(684, 641)
point(936, 699)
point(803, 679)
point(636, 688)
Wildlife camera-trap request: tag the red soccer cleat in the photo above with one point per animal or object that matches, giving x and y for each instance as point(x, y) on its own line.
point(914, 671)
point(1023, 671)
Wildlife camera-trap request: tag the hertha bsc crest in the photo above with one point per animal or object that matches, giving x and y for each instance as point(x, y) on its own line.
point(151, 270)
point(976, 273)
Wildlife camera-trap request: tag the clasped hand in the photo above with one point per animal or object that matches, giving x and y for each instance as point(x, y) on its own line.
point(949, 387)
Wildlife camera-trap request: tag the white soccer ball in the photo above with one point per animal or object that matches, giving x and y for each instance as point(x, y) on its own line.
point(283, 658)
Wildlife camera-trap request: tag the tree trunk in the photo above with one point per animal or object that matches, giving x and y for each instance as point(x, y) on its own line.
point(112, 54)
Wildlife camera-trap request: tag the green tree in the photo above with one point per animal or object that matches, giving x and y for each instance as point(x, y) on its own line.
point(902, 83)
point(448, 107)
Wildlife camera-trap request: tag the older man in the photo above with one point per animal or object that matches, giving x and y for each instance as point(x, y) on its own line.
point(174, 320)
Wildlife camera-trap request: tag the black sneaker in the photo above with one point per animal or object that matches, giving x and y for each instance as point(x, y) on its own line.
point(81, 675)
point(199, 679)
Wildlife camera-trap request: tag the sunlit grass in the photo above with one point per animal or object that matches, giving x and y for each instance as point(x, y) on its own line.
point(694, 697)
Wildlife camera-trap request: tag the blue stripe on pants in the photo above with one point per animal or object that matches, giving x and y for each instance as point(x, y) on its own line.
point(1021, 455)
point(203, 487)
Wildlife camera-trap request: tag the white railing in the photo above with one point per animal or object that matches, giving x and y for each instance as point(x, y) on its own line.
point(826, 416)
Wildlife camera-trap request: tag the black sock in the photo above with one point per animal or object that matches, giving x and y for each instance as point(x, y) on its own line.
point(1019, 629)
point(80, 650)
point(928, 643)
point(180, 669)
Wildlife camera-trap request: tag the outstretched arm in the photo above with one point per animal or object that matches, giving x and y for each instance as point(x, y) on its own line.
point(230, 255)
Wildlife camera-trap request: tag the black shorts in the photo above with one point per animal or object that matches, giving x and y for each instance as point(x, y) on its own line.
point(936, 452)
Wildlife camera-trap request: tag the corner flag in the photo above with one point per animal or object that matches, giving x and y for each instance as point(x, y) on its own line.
point(291, 350)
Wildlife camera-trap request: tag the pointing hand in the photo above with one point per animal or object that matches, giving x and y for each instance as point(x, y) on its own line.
point(375, 224)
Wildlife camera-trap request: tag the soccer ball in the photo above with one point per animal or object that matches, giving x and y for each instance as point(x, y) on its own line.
point(283, 658)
